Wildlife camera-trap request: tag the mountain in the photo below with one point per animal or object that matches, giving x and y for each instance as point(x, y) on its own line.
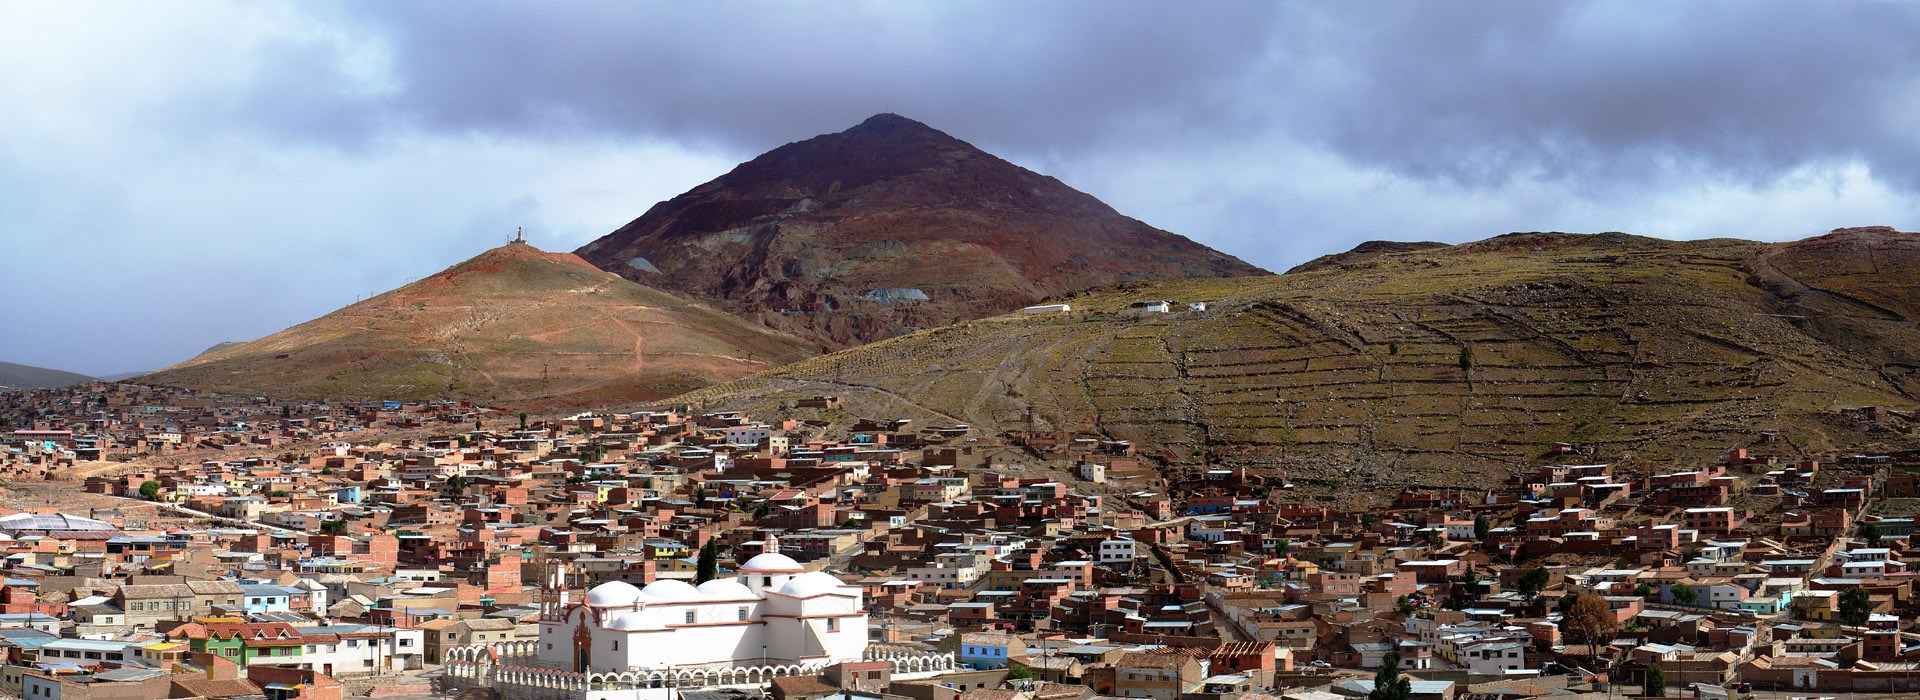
point(1437, 366)
point(513, 324)
point(13, 376)
point(217, 347)
point(889, 226)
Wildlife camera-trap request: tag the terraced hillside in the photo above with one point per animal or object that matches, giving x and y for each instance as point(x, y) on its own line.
point(512, 325)
point(1433, 365)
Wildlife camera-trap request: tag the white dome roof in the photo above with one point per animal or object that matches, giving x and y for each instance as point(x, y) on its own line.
point(725, 589)
point(632, 620)
point(612, 594)
point(811, 584)
point(772, 562)
point(671, 591)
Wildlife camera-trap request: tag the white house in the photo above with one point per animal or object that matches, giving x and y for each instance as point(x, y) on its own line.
point(1494, 657)
point(774, 612)
point(1119, 550)
point(349, 649)
point(749, 435)
point(951, 570)
point(1869, 562)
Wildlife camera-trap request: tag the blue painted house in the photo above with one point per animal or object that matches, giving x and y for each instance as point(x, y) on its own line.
point(987, 650)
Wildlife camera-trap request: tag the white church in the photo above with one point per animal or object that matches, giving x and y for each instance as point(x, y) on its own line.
point(774, 612)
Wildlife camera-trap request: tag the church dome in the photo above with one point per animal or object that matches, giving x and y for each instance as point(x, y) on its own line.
point(671, 591)
point(811, 584)
point(631, 621)
point(725, 589)
point(772, 563)
point(613, 594)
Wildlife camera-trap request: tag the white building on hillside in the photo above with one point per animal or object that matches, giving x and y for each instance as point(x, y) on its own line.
point(774, 612)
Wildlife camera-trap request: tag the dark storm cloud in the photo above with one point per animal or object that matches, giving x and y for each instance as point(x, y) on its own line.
point(1028, 75)
point(1607, 92)
point(219, 171)
point(1479, 93)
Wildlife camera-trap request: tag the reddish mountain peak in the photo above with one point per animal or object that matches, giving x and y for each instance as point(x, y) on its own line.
point(511, 255)
point(890, 122)
point(861, 234)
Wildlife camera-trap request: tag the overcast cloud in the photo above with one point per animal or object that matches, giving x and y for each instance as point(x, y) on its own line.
point(177, 174)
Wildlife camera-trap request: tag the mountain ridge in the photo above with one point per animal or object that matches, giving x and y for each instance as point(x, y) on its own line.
point(18, 376)
point(1433, 365)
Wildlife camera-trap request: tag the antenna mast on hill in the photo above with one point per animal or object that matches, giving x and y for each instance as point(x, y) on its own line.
point(519, 234)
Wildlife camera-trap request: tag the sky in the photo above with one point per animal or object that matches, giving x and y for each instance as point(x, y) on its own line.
point(178, 174)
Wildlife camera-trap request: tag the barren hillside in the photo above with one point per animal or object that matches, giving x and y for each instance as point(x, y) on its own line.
point(889, 226)
point(1435, 365)
point(513, 324)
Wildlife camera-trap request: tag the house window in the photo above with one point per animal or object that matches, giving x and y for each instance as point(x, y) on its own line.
point(833, 624)
point(616, 645)
point(743, 614)
point(689, 617)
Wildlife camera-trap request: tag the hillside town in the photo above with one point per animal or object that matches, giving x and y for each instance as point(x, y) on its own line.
point(243, 547)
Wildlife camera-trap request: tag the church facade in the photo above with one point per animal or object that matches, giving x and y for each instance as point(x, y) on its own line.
point(774, 612)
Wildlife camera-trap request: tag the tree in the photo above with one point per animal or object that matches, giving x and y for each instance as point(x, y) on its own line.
point(1405, 606)
point(1436, 540)
point(1481, 527)
point(709, 564)
point(523, 420)
point(333, 527)
point(1466, 357)
point(456, 483)
point(1464, 592)
point(1534, 581)
point(150, 490)
point(1017, 672)
point(476, 425)
point(1656, 682)
point(1684, 594)
point(1856, 606)
point(1871, 534)
point(277, 493)
point(1280, 546)
point(1643, 590)
point(1589, 621)
point(1387, 683)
